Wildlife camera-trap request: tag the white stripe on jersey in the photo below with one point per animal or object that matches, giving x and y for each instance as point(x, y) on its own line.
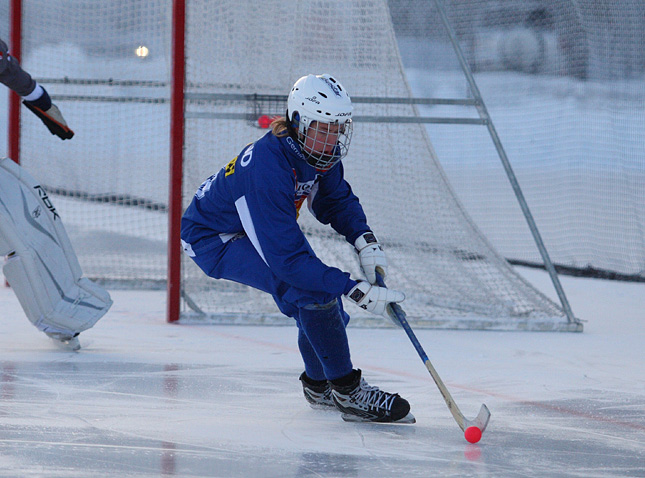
point(188, 249)
point(247, 223)
point(310, 199)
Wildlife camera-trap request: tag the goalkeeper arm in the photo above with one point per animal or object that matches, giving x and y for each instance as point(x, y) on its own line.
point(35, 97)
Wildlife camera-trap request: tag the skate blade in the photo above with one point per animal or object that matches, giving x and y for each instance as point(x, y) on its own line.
point(406, 420)
point(68, 344)
point(324, 408)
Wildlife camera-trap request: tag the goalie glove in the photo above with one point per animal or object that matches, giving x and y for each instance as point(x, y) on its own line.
point(53, 119)
point(50, 115)
point(371, 256)
point(373, 298)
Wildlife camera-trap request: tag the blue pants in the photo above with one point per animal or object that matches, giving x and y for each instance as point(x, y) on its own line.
point(320, 317)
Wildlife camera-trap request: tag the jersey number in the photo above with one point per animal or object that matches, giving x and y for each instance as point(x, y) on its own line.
point(246, 158)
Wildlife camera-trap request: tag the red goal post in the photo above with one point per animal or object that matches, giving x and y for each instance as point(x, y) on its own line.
point(176, 160)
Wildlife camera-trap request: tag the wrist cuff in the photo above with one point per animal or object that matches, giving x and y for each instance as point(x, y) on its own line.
point(349, 286)
point(39, 98)
point(365, 240)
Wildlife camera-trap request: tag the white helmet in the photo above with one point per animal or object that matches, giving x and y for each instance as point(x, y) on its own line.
point(315, 103)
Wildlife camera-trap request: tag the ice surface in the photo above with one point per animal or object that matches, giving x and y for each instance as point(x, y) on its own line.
point(145, 399)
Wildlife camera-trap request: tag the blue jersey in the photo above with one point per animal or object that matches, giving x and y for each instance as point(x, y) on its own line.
point(260, 192)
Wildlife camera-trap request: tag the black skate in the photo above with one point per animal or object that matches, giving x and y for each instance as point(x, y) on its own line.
point(317, 393)
point(361, 402)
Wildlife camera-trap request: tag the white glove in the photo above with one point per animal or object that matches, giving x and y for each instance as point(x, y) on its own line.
point(371, 256)
point(373, 298)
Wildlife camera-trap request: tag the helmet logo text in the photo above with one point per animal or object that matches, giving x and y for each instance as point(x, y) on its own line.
point(45, 199)
point(332, 87)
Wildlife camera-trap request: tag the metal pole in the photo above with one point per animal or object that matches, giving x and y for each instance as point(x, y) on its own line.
point(15, 48)
point(483, 113)
point(176, 160)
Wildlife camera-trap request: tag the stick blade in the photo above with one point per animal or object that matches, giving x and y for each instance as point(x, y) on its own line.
point(481, 421)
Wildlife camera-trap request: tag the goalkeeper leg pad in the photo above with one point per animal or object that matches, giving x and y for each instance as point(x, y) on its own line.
point(42, 267)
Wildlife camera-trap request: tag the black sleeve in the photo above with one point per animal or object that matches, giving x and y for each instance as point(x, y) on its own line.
point(12, 75)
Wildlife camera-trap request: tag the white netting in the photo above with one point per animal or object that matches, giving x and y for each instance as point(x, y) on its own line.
point(564, 82)
point(110, 182)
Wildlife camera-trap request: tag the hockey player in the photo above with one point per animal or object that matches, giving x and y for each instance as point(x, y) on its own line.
point(41, 266)
point(242, 226)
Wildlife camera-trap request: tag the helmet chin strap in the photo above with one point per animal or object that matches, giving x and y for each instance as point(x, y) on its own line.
point(292, 126)
point(325, 159)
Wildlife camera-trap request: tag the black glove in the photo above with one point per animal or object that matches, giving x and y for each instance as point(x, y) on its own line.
point(53, 119)
point(50, 115)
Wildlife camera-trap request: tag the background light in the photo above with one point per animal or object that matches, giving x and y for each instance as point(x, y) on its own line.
point(142, 51)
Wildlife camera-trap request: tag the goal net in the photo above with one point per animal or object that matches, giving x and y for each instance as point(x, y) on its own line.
point(107, 65)
point(451, 275)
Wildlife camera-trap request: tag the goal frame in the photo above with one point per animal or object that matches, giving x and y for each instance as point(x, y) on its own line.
point(176, 167)
point(175, 190)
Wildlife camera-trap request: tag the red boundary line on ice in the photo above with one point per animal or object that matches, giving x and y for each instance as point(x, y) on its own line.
point(555, 408)
point(509, 398)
